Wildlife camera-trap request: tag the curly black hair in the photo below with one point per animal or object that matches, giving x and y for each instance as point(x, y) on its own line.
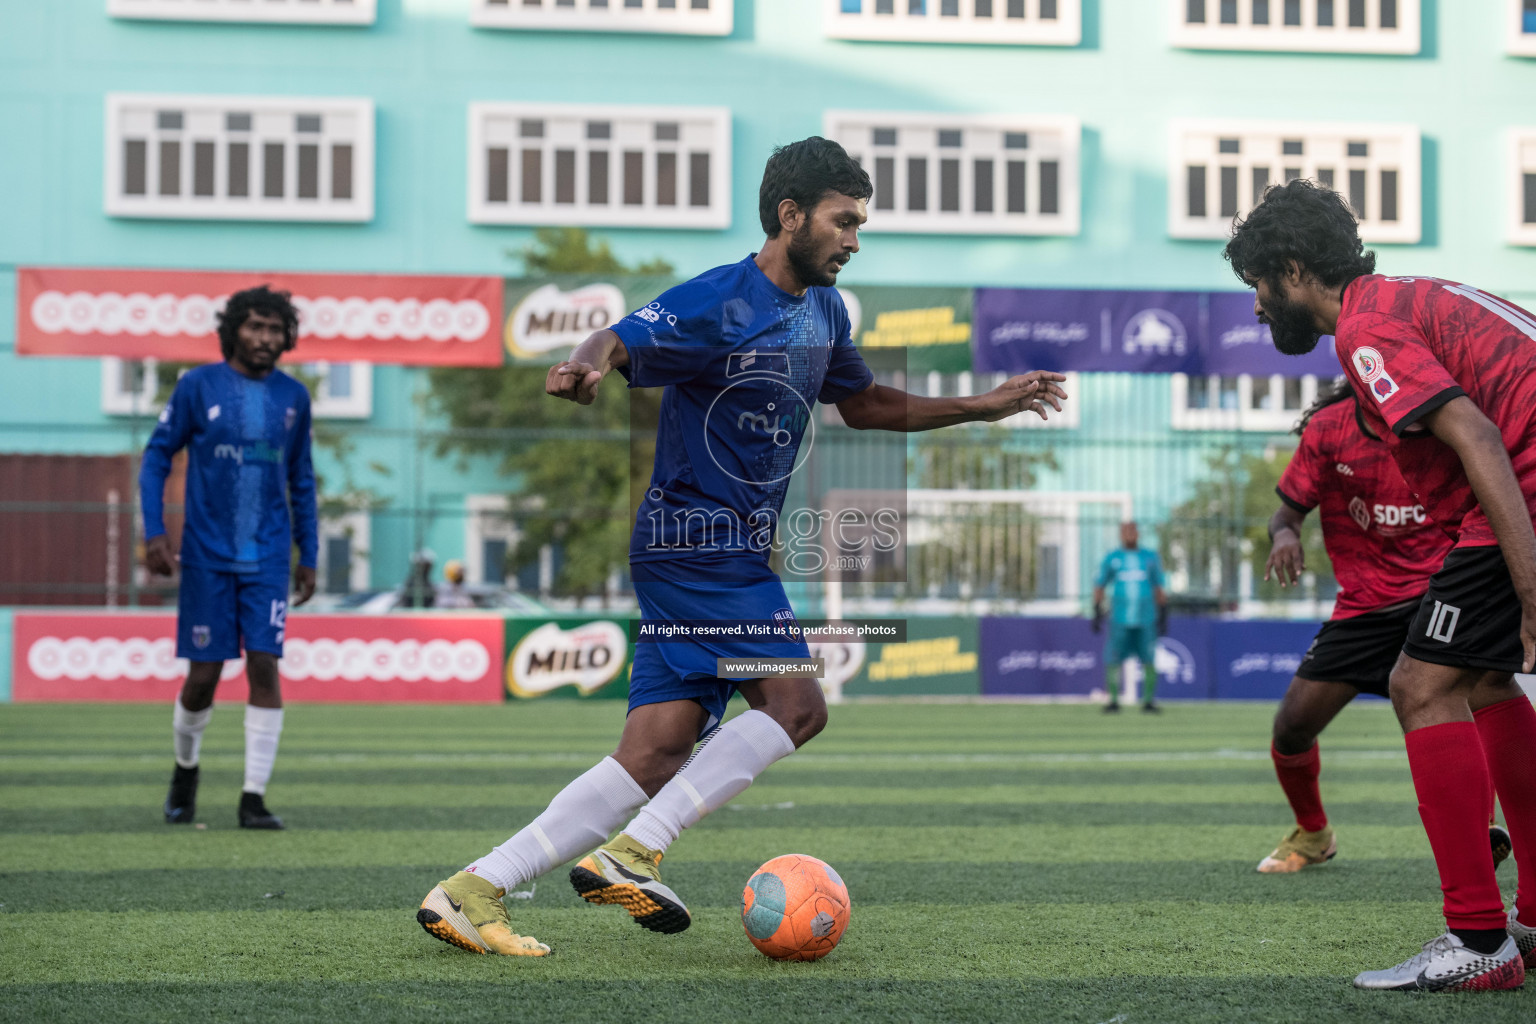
point(1337, 391)
point(261, 299)
point(806, 171)
point(1301, 221)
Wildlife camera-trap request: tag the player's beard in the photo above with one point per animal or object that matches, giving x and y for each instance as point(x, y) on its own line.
point(1291, 326)
point(809, 265)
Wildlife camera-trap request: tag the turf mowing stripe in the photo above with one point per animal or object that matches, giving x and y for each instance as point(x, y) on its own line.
point(786, 995)
point(767, 794)
point(144, 815)
point(224, 845)
point(719, 884)
point(808, 758)
point(915, 941)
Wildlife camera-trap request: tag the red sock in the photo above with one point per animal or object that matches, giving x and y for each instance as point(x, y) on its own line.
point(1451, 779)
point(1508, 733)
point(1298, 777)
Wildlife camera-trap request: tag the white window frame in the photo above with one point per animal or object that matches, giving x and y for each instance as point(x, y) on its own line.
point(1244, 417)
point(117, 402)
point(1057, 137)
point(272, 119)
point(1522, 162)
point(356, 524)
point(1521, 42)
point(1308, 37)
point(486, 517)
point(1390, 147)
point(308, 12)
point(682, 18)
point(933, 25)
point(632, 129)
point(356, 406)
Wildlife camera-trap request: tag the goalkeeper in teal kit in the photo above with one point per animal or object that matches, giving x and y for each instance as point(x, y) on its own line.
point(1138, 614)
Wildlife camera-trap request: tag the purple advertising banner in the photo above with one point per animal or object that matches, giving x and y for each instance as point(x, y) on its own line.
point(1017, 329)
point(1103, 331)
point(1237, 343)
point(1044, 657)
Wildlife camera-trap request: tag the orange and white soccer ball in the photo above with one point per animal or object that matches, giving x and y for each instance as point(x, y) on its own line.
point(795, 908)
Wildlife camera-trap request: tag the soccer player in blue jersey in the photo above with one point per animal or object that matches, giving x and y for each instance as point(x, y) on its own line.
point(250, 491)
point(744, 352)
point(1138, 610)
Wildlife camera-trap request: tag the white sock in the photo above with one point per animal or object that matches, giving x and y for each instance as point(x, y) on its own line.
point(187, 733)
point(580, 817)
point(738, 752)
point(263, 726)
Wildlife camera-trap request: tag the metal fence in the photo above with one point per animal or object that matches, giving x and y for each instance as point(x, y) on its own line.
point(993, 518)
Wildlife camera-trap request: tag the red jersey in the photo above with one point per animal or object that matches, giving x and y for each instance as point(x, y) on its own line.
point(1383, 546)
point(1411, 344)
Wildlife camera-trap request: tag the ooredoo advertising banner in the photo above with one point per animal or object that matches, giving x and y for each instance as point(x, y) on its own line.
point(447, 659)
point(172, 315)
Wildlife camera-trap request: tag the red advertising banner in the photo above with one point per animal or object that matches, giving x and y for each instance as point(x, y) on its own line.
point(438, 659)
point(171, 315)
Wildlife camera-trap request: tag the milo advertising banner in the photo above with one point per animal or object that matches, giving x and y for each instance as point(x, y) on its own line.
point(571, 656)
point(547, 317)
point(933, 325)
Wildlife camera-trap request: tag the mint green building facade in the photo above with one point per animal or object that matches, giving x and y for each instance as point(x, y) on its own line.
point(1138, 69)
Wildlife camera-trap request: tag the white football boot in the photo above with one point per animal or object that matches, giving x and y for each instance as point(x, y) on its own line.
point(1445, 965)
point(1525, 939)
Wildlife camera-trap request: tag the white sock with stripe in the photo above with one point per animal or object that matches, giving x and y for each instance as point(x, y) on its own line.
point(263, 728)
point(187, 733)
point(579, 818)
point(740, 751)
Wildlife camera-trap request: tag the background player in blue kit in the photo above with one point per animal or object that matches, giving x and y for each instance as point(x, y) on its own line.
point(744, 352)
point(1138, 609)
point(250, 491)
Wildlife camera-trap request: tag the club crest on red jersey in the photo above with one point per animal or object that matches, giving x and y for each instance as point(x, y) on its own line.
point(1369, 364)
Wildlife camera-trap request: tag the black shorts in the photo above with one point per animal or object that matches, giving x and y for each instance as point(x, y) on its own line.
point(1359, 650)
point(1471, 616)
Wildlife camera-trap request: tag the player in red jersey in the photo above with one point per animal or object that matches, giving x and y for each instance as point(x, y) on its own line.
point(1446, 374)
point(1384, 549)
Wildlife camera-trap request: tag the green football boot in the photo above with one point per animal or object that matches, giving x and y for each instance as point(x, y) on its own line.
point(629, 874)
point(467, 912)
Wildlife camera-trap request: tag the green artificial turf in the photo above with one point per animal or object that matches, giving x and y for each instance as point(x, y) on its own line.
point(1006, 862)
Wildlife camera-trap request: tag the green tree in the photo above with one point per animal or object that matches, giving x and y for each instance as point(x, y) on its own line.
point(574, 470)
point(1226, 521)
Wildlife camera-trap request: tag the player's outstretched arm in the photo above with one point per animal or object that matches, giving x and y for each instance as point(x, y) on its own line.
point(1480, 446)
point(883, 408)
point(1286, 559)
point(576, 379)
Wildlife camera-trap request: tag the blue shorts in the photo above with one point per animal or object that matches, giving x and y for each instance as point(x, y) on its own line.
point(685, 669)
point(218, 613)
point(1125, 641)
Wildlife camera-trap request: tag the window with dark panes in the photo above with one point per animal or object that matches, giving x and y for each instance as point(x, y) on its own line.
point(917, 183)
point(272, 184)
point(698, 179)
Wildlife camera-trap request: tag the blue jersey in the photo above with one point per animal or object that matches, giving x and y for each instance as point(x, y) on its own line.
point(248, 470)
point(743, 363)
point(1131, 577)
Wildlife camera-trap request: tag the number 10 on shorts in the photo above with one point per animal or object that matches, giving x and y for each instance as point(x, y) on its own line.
point(1442, 622)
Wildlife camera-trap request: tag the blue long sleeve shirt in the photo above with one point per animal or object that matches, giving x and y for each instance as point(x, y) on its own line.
point(250, 478)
